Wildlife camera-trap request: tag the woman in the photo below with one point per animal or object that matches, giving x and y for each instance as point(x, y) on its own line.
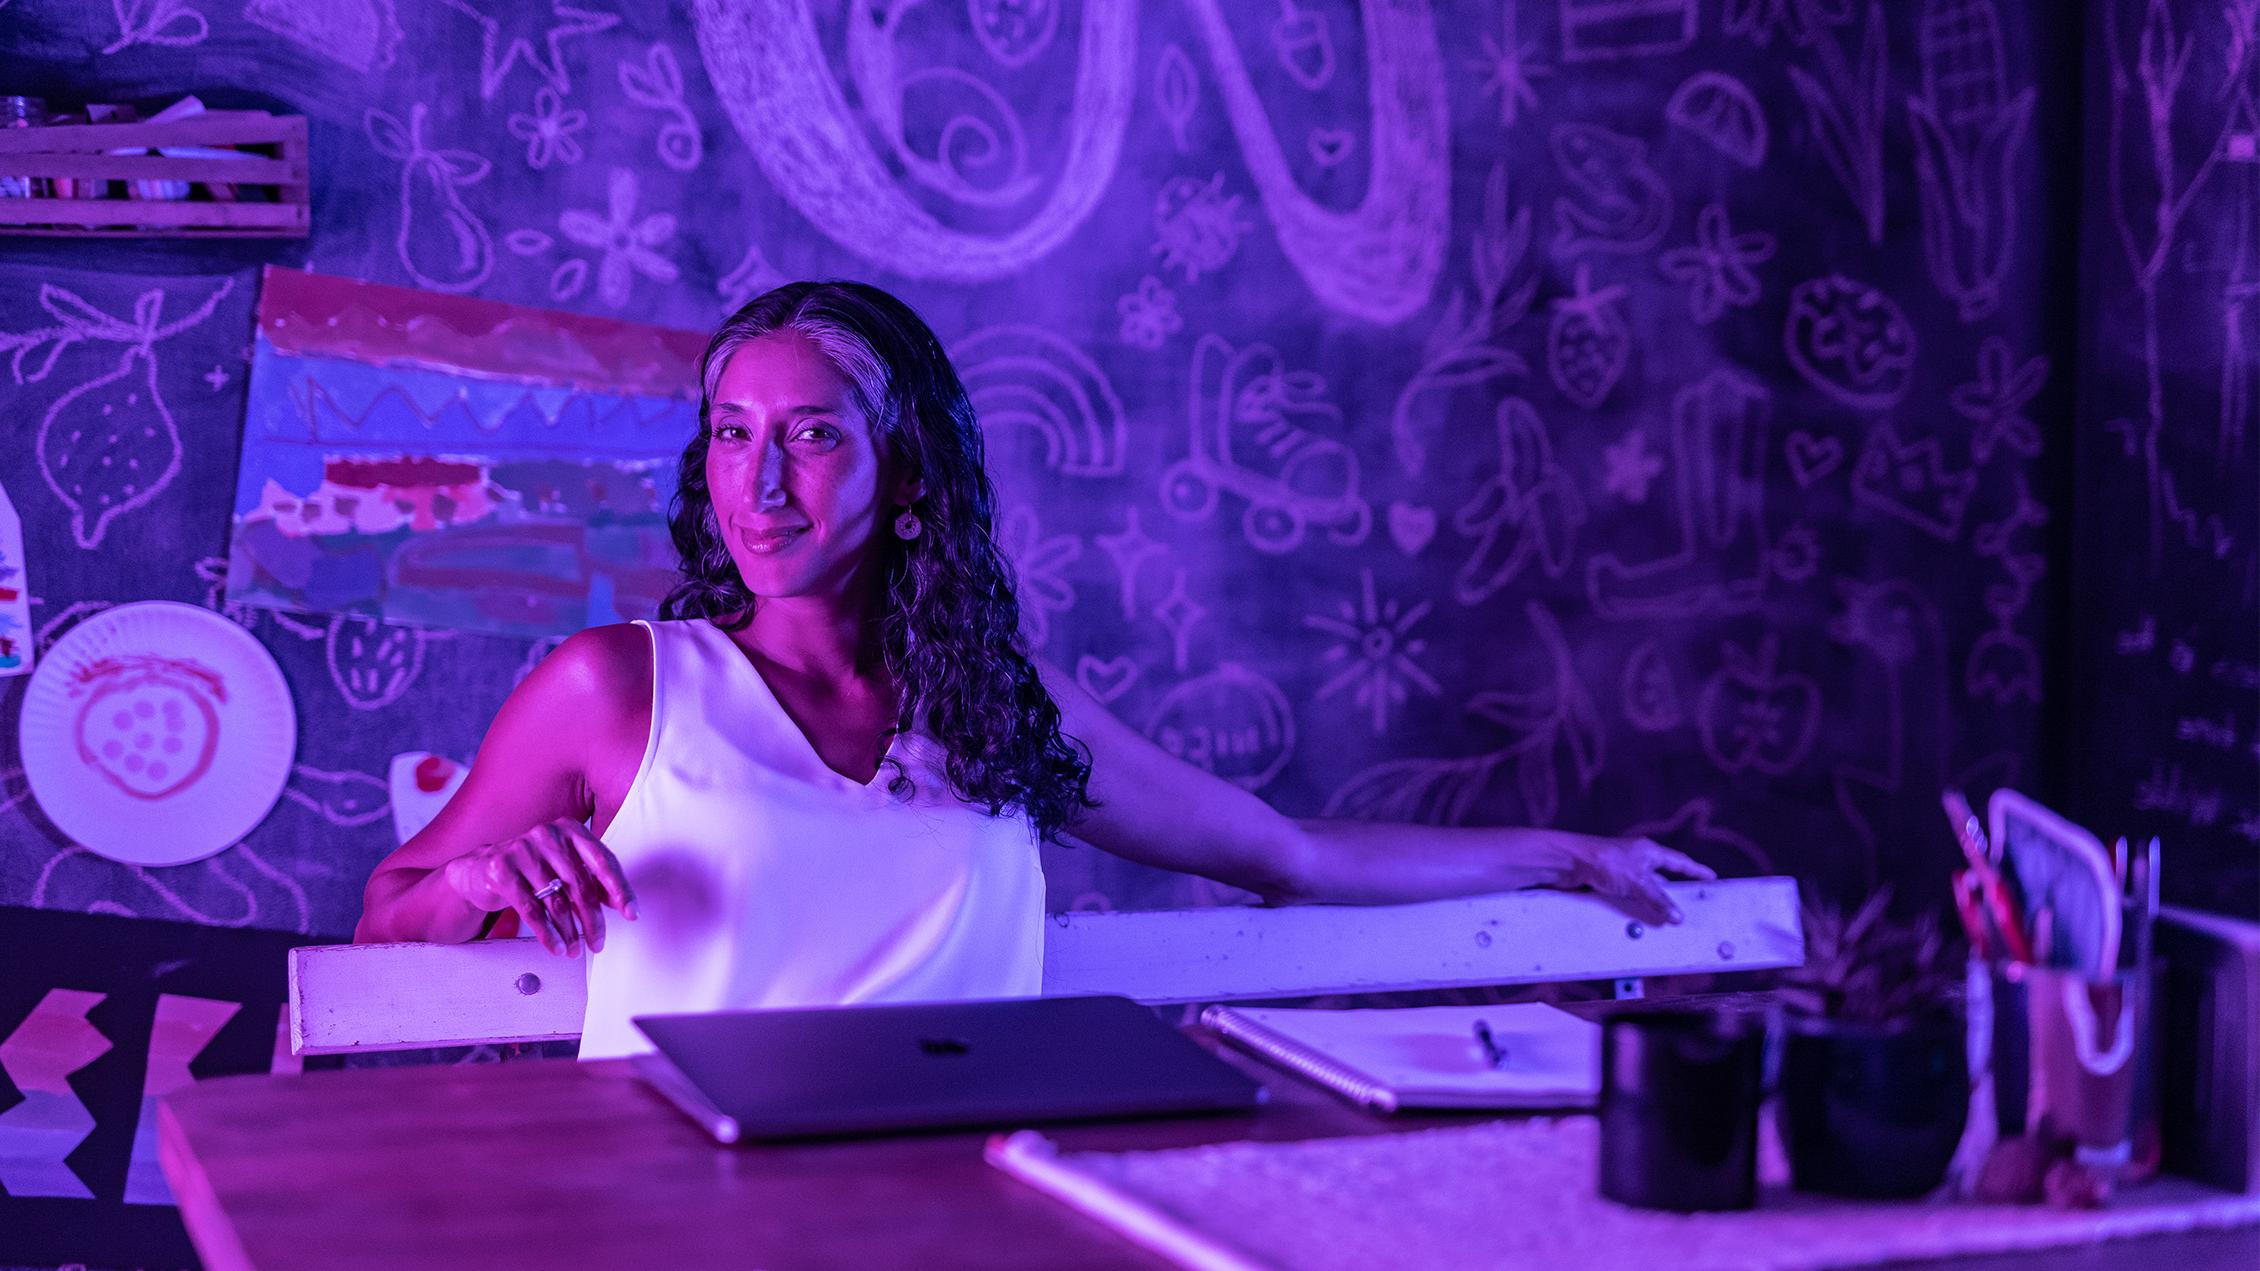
point(823, 778)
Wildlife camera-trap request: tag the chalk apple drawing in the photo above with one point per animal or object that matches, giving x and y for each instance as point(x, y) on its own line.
point(1754, 716)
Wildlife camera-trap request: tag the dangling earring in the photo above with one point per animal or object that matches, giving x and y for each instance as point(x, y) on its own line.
point(908, 526)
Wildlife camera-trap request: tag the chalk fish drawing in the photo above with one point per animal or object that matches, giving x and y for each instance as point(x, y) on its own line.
point(1256, 432)
point(442, 243)
point(1621, 204)
point(109, 445)
point(1969, 135)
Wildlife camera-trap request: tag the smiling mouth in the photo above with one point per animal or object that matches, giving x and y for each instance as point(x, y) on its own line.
point(771, 541)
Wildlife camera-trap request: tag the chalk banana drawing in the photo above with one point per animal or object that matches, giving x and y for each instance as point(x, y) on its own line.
point(109, 445)
point(1969, 135)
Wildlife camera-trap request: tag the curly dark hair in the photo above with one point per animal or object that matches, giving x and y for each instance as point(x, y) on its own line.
point(950, 628)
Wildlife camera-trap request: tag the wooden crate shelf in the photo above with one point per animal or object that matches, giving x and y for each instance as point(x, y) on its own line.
point(269, 183)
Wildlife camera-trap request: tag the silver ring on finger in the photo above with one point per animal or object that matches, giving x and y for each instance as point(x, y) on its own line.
point(549, 889)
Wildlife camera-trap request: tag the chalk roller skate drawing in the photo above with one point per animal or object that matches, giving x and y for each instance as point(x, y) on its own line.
point(1260, 431)
point(1719, 449)
point(1969, 134)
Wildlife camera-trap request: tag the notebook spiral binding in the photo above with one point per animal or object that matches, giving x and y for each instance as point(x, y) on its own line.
point(1233, 1026)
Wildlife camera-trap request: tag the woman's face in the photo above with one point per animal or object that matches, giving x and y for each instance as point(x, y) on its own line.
point(793, 468)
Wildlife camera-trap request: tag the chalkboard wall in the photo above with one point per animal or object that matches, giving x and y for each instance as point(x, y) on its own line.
point(1670, 390)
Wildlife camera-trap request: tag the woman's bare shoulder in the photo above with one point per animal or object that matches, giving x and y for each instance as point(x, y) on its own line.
point(603, 668)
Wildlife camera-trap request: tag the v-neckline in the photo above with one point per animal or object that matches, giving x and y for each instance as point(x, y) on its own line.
point(807, 747)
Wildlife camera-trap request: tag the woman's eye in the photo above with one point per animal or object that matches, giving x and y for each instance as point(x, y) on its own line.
point(819, 433)
point(730, 432)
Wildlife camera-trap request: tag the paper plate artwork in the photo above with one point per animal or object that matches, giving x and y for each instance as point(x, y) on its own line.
point(421, 784)
point(157, 733)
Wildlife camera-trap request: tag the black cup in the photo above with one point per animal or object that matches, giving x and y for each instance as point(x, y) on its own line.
point(1679, 1109)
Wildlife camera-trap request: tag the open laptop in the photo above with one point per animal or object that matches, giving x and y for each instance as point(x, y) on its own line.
point(841, 1070)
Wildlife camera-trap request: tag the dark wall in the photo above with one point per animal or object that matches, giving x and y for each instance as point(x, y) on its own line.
point(1671, 398)
point(2165, 652)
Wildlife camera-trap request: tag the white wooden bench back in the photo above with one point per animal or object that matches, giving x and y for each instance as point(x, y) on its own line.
point(367, 997)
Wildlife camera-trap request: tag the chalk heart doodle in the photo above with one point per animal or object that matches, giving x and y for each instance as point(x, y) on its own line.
point(442, 243)
point(1106, 678)
point(1851, 341)
point(1264, 433)
point(1411, 526)
point(1812, 458)
point(1910, 481)
point(1231, 722)
point(1619, 203)
point(149, 725)
point(1751, 715)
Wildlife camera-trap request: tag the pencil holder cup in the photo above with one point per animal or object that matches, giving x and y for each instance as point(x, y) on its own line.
point(2067, 1057)
point(1679, 1109)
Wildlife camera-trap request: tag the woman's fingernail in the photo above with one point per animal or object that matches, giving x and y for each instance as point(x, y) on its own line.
point(1676, 915)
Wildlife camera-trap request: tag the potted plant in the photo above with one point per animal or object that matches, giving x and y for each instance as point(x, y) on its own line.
point(1875, 1083)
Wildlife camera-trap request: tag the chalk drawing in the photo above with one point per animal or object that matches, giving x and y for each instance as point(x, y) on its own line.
point(1851, 341)
point(1692, 830)
point(1509, 67)
point(548, 131)
point(1106, 679)
point(1177, 93)
point(1554, 716)
point(1025, 377)
point(1303, 45)
point(1811, 458)
point(370, 663)
point(1717, 268)
point(1466, 347)
point(174, 23)
point(1649, 692)
point(1605, 30)
point(1180, 613)
point(629, 245)
point(500, 54)
point(1892, 623)
point(1231, 722)
point(109, 445)
point(1040, 564)
point(1197, 226)
point(1724, 113)
point(1374, 652)
point(1996, 401)
point(1411, 526)
point(1149, 314)
point(1803, 21)
point(1754, 716)
point(1619, 203)
point(1846, 112)
point(1262, 432)
point(1130, 549)
point(658, 84)
point(442, 243)
point(349, 799)
point(1015, 32)
point(751, 276)
point(2003, 665)
point(1587, 343)
point(1528, 511)
point(1970, 136)
point(1719, 448)
point(362, 35)
point(1631, 466)
point(1910, 481)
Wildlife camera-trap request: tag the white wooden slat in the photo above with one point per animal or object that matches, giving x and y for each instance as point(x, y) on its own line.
point(346, 998)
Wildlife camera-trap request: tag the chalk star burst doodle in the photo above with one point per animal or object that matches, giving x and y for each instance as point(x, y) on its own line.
point(498, 55)
point(1375, 648)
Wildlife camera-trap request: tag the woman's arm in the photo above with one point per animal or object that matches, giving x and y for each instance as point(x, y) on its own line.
point(517, 821)
point(1158, 810)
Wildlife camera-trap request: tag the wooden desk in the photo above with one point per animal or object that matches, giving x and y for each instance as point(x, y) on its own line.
point(558, 1164)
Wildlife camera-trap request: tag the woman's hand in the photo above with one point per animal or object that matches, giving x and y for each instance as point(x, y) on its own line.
point(509, 874)
point(1630, 873)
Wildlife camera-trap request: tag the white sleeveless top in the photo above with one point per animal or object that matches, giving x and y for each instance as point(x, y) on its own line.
point(764, 878)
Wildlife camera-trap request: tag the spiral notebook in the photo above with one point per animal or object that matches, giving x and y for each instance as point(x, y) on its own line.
point(1428, 1056)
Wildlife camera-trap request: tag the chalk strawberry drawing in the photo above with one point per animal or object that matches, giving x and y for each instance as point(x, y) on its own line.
point(1587, 345)
point(372, 664)
point(109, 445)
point(150, 725)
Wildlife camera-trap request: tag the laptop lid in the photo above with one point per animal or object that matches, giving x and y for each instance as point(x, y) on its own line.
point(840, 1070)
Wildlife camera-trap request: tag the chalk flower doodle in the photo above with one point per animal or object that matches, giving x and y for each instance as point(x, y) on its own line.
point(1845, 109)
point(1851, 341)
point(1717, 268)
point(1996, 401)
point(1199, 225)
point(1374, 650)
point(1467, 346)
point(1040, 565)
point(1509, 66)
point(658, 84)
point(1969, 133)
point(548, 132)
point(1722, 111)
point(1528, 511)
point(1618, 203)
point(1587, 345)
point(1256, 432)
point(1631, 466)
point(1555, 716)
point(442, 243)
point(1753, 715)
point(629, 244)
point(109, 445)
point(1149, 314)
